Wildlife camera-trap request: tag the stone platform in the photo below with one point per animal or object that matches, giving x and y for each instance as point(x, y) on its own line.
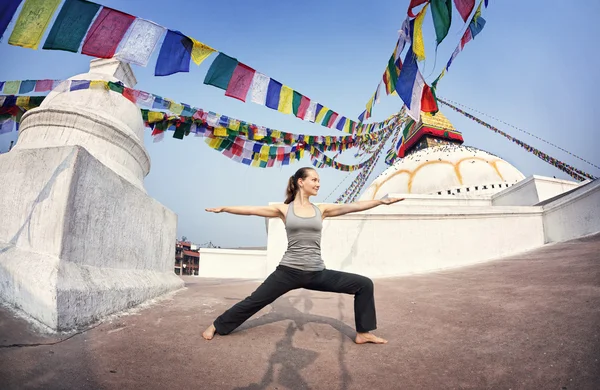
point(525, 322)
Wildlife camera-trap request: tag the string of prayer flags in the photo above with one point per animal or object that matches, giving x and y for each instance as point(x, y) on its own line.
point(70, 26)
point(568, 169)
point(106, 33)
point(32, 23)
point(464, 8)
point(220, 72)
point(140, 42)
point(174, 55)
point(7, 11)
point(240, 82)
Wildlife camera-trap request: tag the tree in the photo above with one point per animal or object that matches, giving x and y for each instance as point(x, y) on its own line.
point(183, 238)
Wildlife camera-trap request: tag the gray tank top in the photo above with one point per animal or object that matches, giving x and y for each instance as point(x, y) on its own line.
point(304, 241)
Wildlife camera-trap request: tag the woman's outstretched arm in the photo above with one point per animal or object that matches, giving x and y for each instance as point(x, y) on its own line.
point(259, 211)
point(335, 210)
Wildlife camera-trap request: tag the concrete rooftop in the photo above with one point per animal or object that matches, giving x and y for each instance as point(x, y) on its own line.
point(530, 321)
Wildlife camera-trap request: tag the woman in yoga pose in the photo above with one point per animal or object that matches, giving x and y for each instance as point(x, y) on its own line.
point(302, 265)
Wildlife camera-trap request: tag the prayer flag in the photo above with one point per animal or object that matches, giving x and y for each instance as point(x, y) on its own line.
point(418, 44)
point(174, 54)
point(300, 105)
point(441, 12)
point(43, 85)
point(7, 11)
point(464, 8)
point(240, 81)
point(106, 33)
point(71, 25)
point(477, 23)
point(326, 116)
point(341, 123)
point(428, 101)
point(32, 23)
point(220, 71)
point(200, 51)
point(453, 56)
point(332, 120)
point(414, 110)
point(11, 87)
point(77, 85)
point(26, 86)
point(285, 100)
point(310, 111)
point(466, 38)
point(412, 5)
point(258, 90)
point(406, 80)
point(273, 92)
point(140, 42)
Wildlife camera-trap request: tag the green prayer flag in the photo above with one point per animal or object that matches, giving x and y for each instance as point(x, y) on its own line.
point(441, 12)
point(393, 72)
point(220, 71)
point(145, 114)
point(296, 102)
point(115, 87)
point(326, 118)
point(179, 132)
point(72, 23)
point(407, 128)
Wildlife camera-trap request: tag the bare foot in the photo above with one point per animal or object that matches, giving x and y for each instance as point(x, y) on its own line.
point(363, 338)
point(209, 333)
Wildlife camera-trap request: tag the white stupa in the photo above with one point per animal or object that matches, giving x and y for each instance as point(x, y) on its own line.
point(436, 163)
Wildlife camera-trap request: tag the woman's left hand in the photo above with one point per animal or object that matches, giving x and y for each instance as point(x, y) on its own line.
point(388, 201)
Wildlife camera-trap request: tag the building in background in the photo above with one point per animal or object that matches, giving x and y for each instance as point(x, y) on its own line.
point(187, 258)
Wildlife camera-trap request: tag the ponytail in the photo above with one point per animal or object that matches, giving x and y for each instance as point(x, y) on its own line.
point(290, 191)
point(292, 186)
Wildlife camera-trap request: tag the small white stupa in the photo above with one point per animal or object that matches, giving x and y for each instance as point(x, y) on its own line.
point(79, 236)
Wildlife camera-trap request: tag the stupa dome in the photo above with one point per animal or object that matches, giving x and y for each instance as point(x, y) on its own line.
point(449, 169)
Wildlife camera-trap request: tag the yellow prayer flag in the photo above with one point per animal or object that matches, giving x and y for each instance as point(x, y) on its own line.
point(276, 134)
point(22, 101)
point(220, 132)
point(346, 128)
point(200, 51)
point(154, 116)
point(12, 87)
point(285, 100)
point(419, 45)
point(32, 23)
point(258, 136)
point(98, 84)
point(215, 143)
point(301, 153)
point(176, 108)
point(321, 114)
point(234, 124)
point(370, 104)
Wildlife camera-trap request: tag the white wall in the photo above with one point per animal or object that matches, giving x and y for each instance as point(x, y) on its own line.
point(232, 263)
point(532, 190)
point(406, 239)
point(574, 215)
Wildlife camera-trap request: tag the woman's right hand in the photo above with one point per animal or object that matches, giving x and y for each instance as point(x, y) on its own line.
point(215, 210)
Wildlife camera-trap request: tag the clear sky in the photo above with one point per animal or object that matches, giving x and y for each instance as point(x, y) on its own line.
point(534, 66)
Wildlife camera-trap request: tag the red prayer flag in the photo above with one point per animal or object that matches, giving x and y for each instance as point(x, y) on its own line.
point(240, 82)
point(428, 103)
point(466, 38)
point(106, 33)
point(130, 94)
point(332, 119)
point(464, 8)
point(413, 4)
point(304, 103)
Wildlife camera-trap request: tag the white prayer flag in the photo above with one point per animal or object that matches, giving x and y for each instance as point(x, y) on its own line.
point(258, 89)
point(141, 41)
